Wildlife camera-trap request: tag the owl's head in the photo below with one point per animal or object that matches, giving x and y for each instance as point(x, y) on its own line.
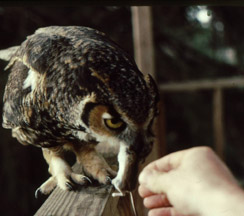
point(127, 117)
point(122, 113)
point(121, 103)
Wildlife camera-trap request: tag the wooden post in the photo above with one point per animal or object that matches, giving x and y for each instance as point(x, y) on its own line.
point(144, 57)
point(143, 39)
point(218, 125)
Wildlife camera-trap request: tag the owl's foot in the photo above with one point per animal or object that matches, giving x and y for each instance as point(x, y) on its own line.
point(47, 187)
point(63, 181)
point(102, 175)
point(98, 171)
point(95, 166)
point(62, 174)
point(68, 181)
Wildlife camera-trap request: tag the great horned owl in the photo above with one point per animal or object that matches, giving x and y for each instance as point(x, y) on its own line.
point(71, 88)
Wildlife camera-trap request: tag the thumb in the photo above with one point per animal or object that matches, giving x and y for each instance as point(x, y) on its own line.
point(155, 181)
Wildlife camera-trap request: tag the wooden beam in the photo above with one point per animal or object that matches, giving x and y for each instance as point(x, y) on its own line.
point(87, 201)
point(233, 82)
point(218, 124)
point(91, 201)
point(143, 39)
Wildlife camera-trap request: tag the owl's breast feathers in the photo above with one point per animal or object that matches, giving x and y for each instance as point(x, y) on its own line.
point(57, 68)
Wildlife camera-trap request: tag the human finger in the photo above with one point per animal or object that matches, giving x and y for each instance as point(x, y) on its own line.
point(144, 192)
point(154, 181)
point(156, 201)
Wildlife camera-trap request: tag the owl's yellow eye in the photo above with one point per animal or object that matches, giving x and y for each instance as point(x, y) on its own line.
point(114, 123)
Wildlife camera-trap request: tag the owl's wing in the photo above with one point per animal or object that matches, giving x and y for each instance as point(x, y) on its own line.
point(48, 73)
point(36, 73)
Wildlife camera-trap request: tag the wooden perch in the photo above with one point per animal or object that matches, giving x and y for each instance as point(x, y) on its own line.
point(87, 201)
point(217, 86)
point(6, 54)
point(90, 201)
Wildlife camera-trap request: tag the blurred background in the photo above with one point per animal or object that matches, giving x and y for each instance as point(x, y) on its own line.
point(191, 43)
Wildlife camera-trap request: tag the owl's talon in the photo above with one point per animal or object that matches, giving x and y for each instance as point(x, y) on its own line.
point(47, 187)
point(87, 179)
point(38, 190)
point(108, 180)
point(79, 179)
point(69, 186)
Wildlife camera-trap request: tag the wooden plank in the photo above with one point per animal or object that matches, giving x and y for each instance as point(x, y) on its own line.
point(91, 202)
point(218, 124)
point(233, 82)
point(87, 201)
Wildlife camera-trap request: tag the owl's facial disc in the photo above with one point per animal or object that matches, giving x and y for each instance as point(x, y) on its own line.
point(135, 142)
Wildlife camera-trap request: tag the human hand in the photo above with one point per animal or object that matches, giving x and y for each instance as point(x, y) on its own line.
point(192, 182)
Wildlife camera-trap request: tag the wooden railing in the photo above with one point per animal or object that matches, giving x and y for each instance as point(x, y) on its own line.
point(217, 86)
point(234, 82)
